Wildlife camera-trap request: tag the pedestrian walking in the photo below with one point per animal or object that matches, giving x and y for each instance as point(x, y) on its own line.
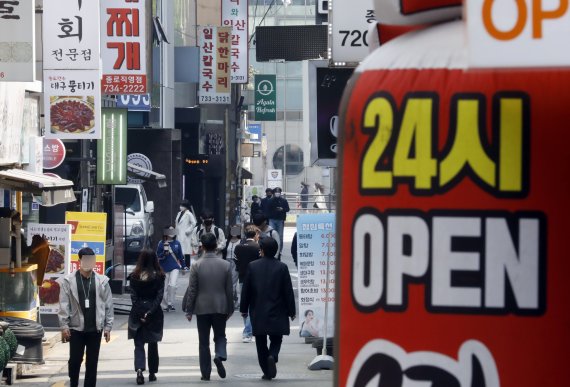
point(146, 319)
point(229, 255)
point(208, 226)
point(264, 205)
point(268, 296)
point(170, 257)
point(320, 203)
point(265, 230)
point(278, 209)
point(85, 314)
point(255, 206)
point(246, 253)
point(209, 296)
point(304, 195)
point(185, 223)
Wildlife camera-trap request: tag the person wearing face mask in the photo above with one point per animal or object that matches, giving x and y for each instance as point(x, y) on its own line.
point(85, 314)
point(169, 252)
point(208, 226)
point(255, 206)
point(278, 209)
point(264, 205)
point(185, 223)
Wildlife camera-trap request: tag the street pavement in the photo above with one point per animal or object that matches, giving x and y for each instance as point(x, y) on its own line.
point(179, 353)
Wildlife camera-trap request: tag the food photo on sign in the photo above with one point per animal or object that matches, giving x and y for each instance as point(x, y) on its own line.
point(453, 210)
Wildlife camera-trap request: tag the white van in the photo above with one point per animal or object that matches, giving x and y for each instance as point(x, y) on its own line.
point(138, 219)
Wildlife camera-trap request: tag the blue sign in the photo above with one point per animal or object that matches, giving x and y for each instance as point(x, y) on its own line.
point(134, 102)
point(254, 131)
point(98, 247)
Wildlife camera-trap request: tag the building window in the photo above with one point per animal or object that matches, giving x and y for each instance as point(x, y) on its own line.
point(294, 159)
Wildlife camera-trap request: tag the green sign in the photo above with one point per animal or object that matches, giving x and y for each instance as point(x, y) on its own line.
point(112, 147)
point(265, 98)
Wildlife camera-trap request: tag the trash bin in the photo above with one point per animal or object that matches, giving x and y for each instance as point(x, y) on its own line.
point(29, 334)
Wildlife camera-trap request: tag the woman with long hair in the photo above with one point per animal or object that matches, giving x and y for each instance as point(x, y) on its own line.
point(146, 319)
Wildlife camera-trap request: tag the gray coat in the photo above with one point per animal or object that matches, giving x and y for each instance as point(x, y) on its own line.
point(210, 290)
point(70, 314)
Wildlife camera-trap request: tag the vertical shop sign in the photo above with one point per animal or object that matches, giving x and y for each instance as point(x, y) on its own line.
point(72, 104)
point(71, 35)
point(123, 46)
point(265, 98)
point(316, 243)
point(12, 98)
point(88, 229)
point(215, 50)
point(58, 237)
point(112, 147)
point(235, 15)
point(17, 41)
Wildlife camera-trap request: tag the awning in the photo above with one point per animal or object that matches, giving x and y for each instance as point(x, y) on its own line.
point(146, 174)
point(245, 174)
point(51, 189)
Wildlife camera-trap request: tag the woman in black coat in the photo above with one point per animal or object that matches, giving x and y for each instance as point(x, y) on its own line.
point(146, 319)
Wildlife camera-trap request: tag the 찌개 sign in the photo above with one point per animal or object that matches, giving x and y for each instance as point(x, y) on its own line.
point(123, 46)
point(235, 15)
point(215, 71)
point(17, 41)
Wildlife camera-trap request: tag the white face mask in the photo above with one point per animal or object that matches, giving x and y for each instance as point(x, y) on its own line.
point(277, 194)
point(182, 208)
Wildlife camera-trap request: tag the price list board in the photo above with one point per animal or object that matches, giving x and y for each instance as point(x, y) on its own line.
point(315, 243)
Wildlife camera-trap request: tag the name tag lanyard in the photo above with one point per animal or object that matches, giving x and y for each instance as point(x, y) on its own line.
point(88, 291)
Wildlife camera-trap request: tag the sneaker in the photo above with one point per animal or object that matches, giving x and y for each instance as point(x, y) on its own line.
point(220, 367)
point(271, 368)
point(172, 308)
point(246, 339)
point(140, 377)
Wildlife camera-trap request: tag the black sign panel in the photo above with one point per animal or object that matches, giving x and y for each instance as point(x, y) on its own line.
point(291, 43)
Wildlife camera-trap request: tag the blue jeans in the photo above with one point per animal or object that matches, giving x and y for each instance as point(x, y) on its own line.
point(247, 331)
point(279, 226)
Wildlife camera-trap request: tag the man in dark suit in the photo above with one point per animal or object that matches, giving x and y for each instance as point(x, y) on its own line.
point(245, 253)
point(268, 294)
point(210, 297)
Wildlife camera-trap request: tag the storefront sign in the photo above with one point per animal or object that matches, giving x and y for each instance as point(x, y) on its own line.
point(274, 178)
point(12, 97)
point(134, 102)
point(254, 131)
point(123, 46)
point(53, 153)
point(350, 20)
point(112, 147)
point(71, 35)
point(142, 161)
point(58, 237)
point(235, 15)
point(17, 41)
point(265, 98)
point(215, 70)
point(72, 100)
point(316, 241)
point(523, 33)
point(88, 229)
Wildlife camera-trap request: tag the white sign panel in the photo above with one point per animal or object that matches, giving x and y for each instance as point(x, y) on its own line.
point(71, 34)
point(58, 263)
point(316, 241)
point(123, 46)
point(350, 20)
point(235, 15)
point(12, 96)
point(215, 50)
point(523, 33)
point(72, 104)
point(17, 35)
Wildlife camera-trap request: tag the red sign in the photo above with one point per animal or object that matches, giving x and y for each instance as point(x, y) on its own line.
point(454, 219)
point(54, 153)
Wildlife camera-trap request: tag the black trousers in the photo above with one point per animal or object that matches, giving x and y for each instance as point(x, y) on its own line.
point(263, 352)
point(216, 322)
point(80, 343)
point(187, 260)
point(140, 356)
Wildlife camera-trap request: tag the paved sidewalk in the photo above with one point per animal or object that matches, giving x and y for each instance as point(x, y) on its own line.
point(179, 354)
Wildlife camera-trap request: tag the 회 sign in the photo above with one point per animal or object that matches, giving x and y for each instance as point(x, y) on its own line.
point(17, 41)
point(265, 98)
point(523, 33)
point(235, 15)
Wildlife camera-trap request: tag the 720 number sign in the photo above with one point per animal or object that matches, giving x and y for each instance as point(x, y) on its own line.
point(354, 38)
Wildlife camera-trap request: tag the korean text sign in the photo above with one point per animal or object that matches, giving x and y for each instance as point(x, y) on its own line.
point(123, 46)
point(17, 41)
point(71, 35)
point(58, 264)
point(315, 241)
point(350, 21)
point(88, 229)
point(235, 15)
point(522, 33)
point(72, 100)
point(454, 216)
point(215, 71)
